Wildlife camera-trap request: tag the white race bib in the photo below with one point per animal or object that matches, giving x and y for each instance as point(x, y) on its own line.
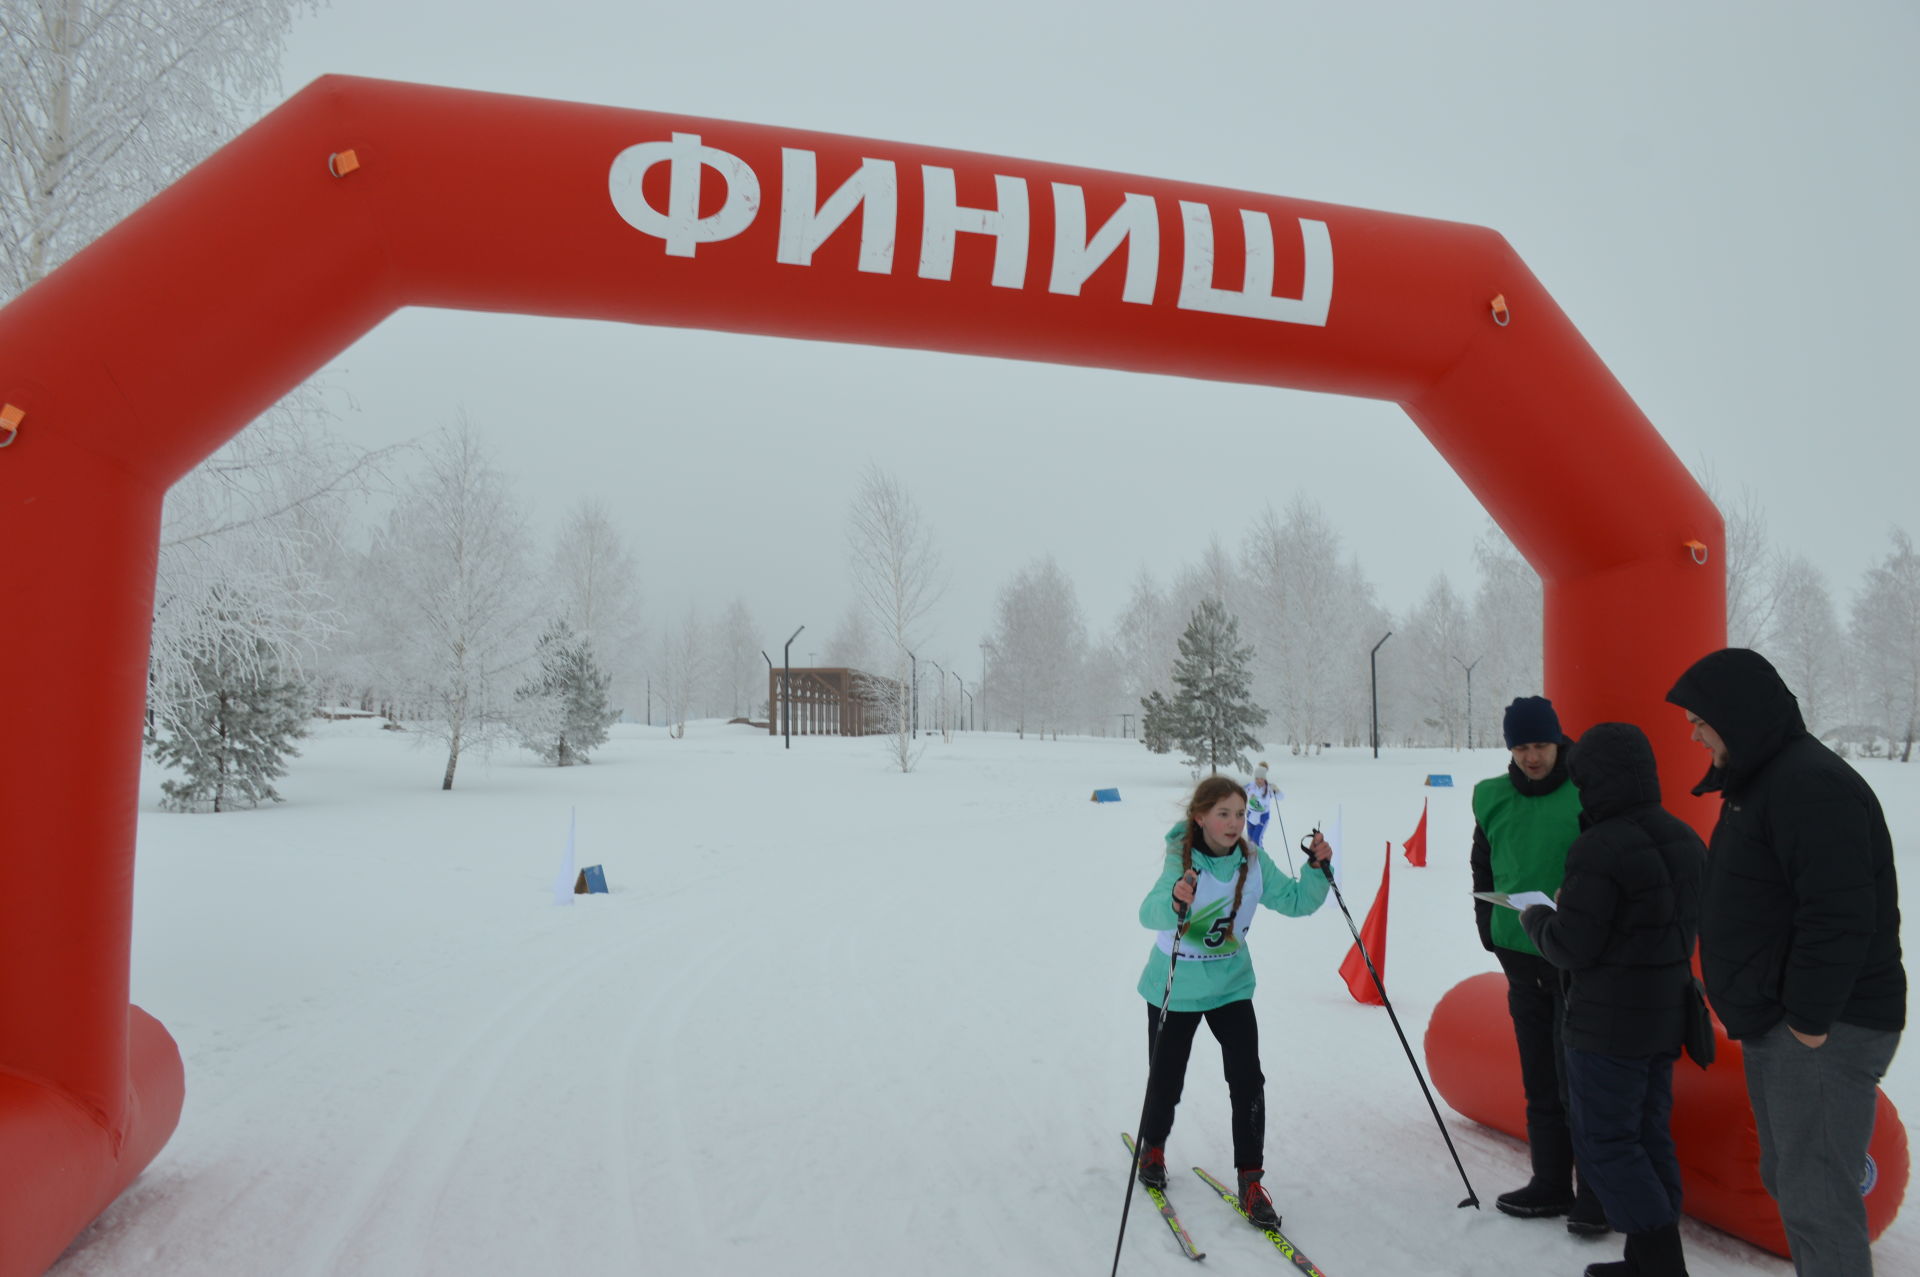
point(1206, 938)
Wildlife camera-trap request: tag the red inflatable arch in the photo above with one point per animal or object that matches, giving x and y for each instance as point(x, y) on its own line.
point(147, 351)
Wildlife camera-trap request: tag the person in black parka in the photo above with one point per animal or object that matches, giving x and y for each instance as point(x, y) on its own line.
point(1800, 947)
point(1622, 936)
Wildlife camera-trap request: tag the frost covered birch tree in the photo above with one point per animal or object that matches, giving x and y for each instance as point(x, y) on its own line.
point(105, 102)
point(598, 587)
point(1886, 637)
point(1808, 646)
point(680, 668)
point(264, 519)
point(102, 105)
point(737, 667)
point(1301, 609)
point(1752, 567)
point(1438, 645)
point(1040, 650)
point(1147, 634)
point(1147, 639)
point(1508, 632)
point(897, 580)
point(452, 592)
point(851, 645)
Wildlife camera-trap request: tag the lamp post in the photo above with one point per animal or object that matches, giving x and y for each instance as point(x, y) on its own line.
point(943, 692)
point(1469, 669)
point(973, 724)
point(958, 703)
point(1373, 673)
point(769, 661)
point(786, 687)
point(983, 680)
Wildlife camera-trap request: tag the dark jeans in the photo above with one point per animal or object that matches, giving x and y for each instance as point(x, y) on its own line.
point(1813, 1109)
point(1538, 1009)
point(1622, 1110)
point(1238, 1033)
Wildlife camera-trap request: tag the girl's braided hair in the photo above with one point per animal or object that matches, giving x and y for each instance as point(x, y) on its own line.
point(1205, 795)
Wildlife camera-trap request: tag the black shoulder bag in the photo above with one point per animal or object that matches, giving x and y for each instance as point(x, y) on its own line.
point(1699, 1040)
point(1699, 1037)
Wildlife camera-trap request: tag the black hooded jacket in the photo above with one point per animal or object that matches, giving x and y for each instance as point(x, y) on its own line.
point(1801, 918)
point(1630, 905)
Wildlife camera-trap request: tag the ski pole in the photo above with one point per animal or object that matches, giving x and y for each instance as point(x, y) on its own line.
point(1326, 867)
point(1153, 1057)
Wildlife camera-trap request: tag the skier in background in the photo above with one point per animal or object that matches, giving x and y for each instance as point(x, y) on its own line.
point(1211, 882)
point(1261, 800)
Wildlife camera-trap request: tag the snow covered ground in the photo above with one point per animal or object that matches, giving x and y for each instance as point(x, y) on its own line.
point(832, 1019)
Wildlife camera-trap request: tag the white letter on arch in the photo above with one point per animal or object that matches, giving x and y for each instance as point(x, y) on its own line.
point(1255, 300)
point(1076, 258)
point(805, 225)
point(680, 223)
point(942, 218)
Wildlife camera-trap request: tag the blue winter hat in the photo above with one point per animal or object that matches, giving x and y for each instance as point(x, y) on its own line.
point(1530, 719)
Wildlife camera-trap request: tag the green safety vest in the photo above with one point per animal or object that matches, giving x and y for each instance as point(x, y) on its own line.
point(1528, 839)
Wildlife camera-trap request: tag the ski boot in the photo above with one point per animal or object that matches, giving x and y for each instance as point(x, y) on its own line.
point(1254, 1199)
point(1153, 1166)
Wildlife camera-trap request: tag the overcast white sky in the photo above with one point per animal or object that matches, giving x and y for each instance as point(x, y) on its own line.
point(1721, 196)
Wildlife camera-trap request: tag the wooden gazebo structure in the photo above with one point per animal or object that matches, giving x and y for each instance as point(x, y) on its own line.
point(831, 701)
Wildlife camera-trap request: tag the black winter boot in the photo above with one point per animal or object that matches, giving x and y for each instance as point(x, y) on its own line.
point(1658, 1252)
point(1254, 1199)
point(1586, 1217)
point(1550, 1191)
point(1629, 1266)
point(1153, 1166)
point(1538, 1200)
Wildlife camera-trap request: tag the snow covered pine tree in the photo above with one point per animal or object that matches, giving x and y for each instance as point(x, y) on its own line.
point(236, 714)
point(1214, 713)
point(562, 712)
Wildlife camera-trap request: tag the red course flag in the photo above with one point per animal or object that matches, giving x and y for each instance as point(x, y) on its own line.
point(1416, 846)
point(1373, 933)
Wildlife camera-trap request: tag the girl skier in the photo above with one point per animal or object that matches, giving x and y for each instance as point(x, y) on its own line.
point(1202, 906)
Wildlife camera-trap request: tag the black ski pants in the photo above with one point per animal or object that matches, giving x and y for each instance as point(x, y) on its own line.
point(1238, 1034)
point(1622, 1111)
point(1538, 1008)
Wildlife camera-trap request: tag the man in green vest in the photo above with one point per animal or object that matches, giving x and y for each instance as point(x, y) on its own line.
point(1524, 822)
